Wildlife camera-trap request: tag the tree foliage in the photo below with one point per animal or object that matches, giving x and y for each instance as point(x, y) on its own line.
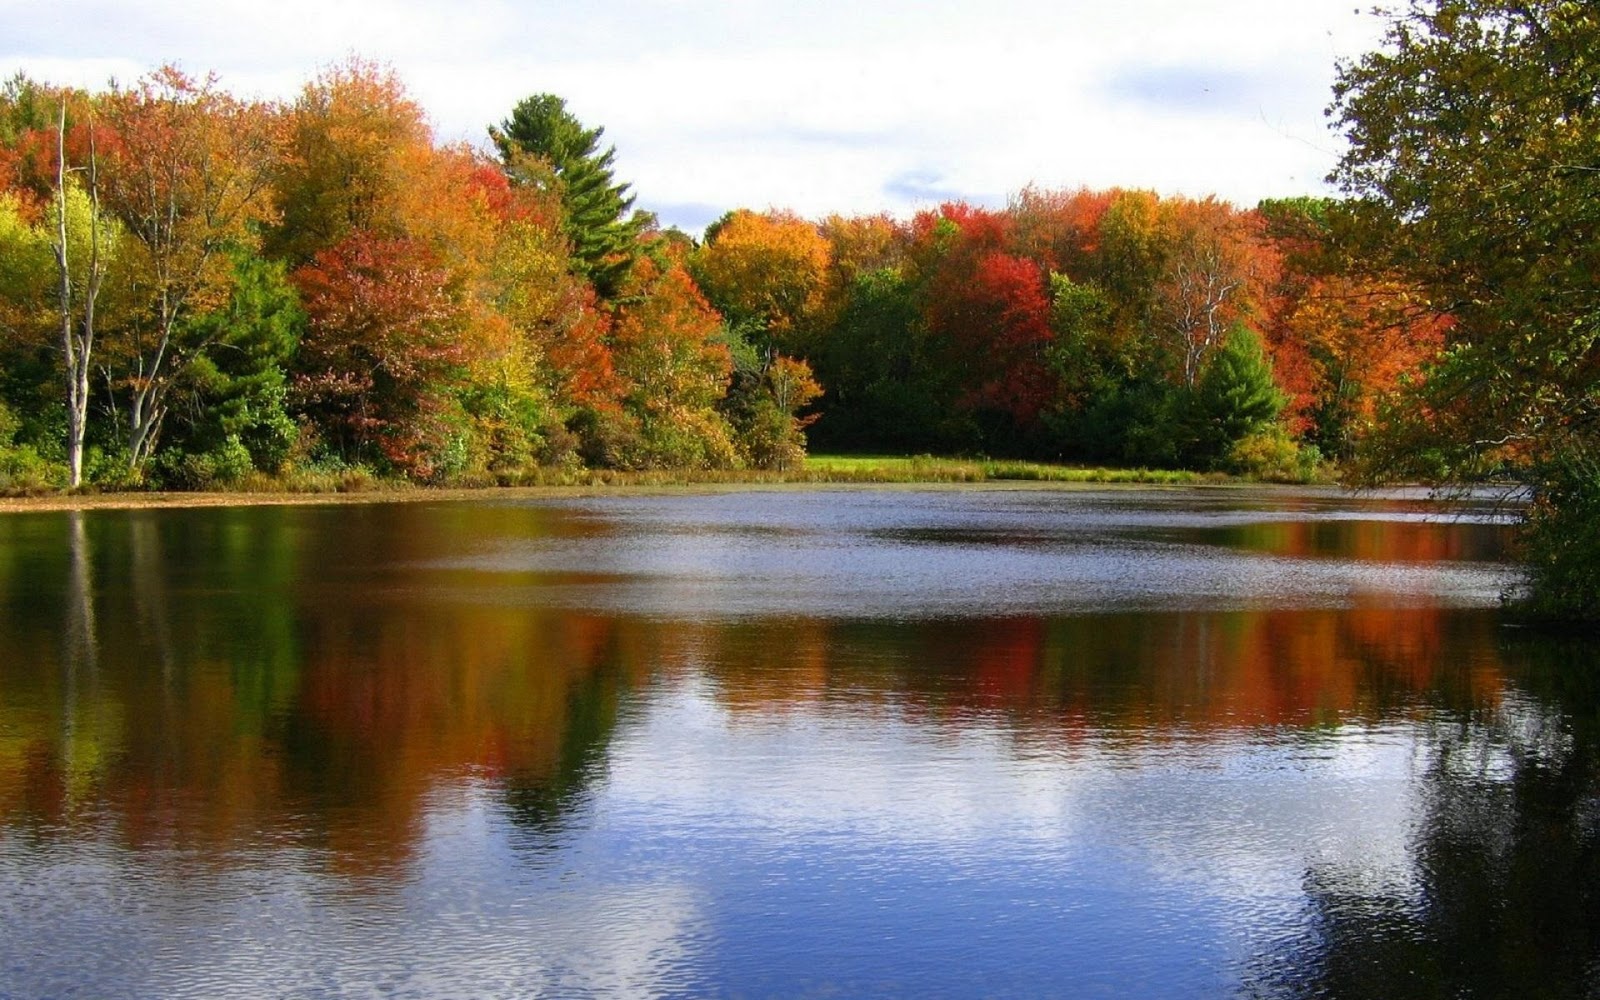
point(765, 272)
point(1475, 153)
point(675, 368)
point(597, 210)
point(321, 286)
point(381, 351)
point(353, 141)
point(235, 394)
point(188, 179)
point(1236, 396)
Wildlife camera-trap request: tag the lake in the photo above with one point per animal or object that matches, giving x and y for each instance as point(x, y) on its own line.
point(791, 743)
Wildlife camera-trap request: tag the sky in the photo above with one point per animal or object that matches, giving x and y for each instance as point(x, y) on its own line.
point(849, 106)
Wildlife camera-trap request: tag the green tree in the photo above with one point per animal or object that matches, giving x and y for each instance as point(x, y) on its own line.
point(599, 220)
point(234, 395)
point(884, 389)
point(1094, 369)
point(1235, 397)
point(1475, 160)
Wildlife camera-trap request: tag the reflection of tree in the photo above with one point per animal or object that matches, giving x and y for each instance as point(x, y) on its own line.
point(1137, 672)
point(328, 678)
point(1506, 893)
point(542, 799)
point(203, 678)
point(81, 641)
point(80, 653)
point(150, 569)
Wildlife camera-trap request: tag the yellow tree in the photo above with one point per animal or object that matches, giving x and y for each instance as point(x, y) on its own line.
point(353, 140)
point(551, 356)
point(766, 273)
point(859, 245)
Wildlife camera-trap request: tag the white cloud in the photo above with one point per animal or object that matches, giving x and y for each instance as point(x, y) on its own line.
point(827, 106)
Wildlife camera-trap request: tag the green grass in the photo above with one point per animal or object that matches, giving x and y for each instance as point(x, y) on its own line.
point(862, 469)
point(926, 468)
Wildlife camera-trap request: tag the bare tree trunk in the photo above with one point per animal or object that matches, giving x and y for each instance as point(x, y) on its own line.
point(1202, 290)
point(64, 297)
point(77, 338)
point(145, 415)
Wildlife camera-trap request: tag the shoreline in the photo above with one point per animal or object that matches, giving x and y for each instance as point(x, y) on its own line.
point(160, 500)
point(423, 494)
point(820, 472)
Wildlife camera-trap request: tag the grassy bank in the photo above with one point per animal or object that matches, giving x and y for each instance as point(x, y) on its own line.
point(359, 486)
point(927, 469)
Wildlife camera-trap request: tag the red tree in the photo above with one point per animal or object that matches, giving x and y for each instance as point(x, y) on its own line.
point(381, 350)
point(987, 309)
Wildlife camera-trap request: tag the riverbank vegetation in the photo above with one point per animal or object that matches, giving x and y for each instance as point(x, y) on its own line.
point(199, 291)
point(202, 291)
point(816, 471)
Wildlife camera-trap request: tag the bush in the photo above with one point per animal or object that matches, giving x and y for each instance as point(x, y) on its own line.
point(225, 465)
point(511, 430)
point(1273, 455)
point(22, 468)
point(1561, 538)
point(110, 469)
point(771, 440)
point(328, 475)
point(607, 438)
point(24, 471)
point(687, 439)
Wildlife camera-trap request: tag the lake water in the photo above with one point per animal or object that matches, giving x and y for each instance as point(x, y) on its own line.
point(831, 743)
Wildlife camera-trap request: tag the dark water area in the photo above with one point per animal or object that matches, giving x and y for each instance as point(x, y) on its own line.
point(921, 743)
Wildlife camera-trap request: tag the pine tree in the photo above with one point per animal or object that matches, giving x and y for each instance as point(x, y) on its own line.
point(1236, 395)
point(598, 220)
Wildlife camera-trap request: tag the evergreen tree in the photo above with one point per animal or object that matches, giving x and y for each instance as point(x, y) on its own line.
point(1236, 395)
point(235, 394)
point(598, 222)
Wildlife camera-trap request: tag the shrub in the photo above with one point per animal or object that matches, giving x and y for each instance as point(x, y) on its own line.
point(24, 471)
point(225, 465)
point(1561, 538)
point(22, 468)
point(1273, 455)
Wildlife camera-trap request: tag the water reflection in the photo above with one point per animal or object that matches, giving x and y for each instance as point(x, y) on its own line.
point(472, 748)
point(1505, 897)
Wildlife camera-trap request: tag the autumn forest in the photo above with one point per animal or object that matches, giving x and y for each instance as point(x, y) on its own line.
point(205, 291)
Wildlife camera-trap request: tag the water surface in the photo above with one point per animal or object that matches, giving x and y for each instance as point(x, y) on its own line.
point(998, 743)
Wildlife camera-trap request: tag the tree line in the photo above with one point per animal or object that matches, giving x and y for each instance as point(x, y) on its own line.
point(1097, 326)
point(196, 289)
